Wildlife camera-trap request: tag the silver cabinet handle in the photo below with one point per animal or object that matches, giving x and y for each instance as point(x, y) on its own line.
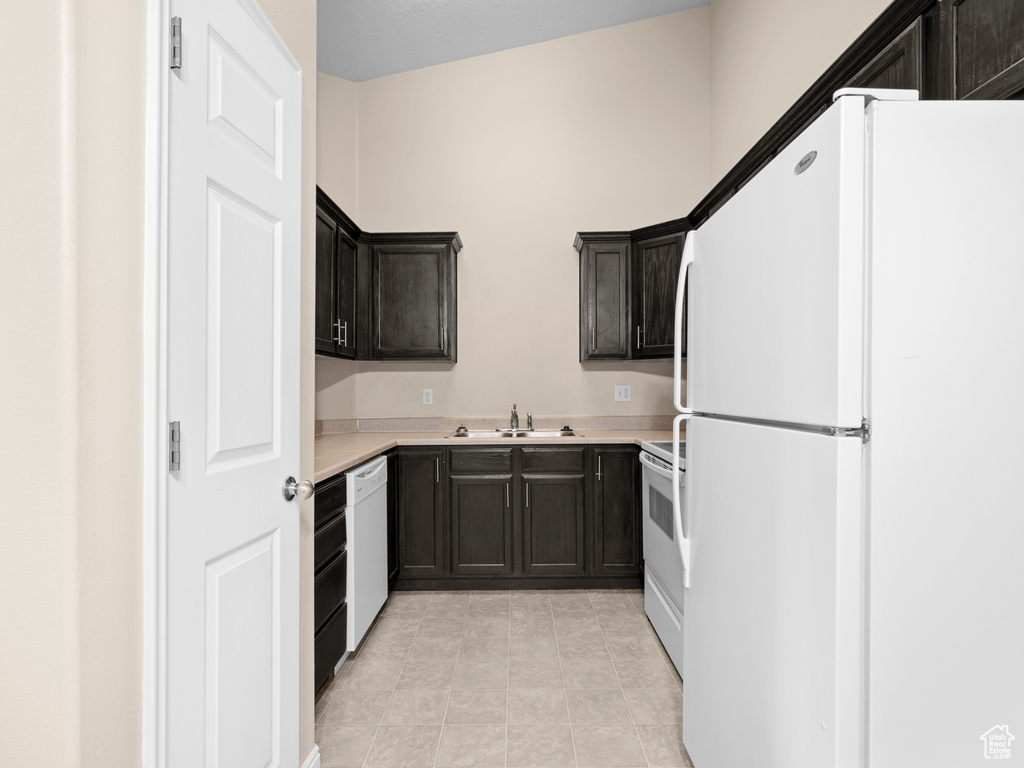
point(437, 470)
point(593, 339)
point(639, 344)
point(337, 331)
point(293, 487)
point(344, 342)
point(527, 494)
point(506, 497)
point(598, 467)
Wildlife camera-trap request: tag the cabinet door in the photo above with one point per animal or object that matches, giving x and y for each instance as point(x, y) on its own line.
point(413, 308)
point(655, 277)
point(553, 529)
point(481, 519)
point(899, 65)
point(615, 502)
point(983, 44)
point(346, 287)
point(421, 540)
point(604, 297)
point(326, 329)
point(392, 520)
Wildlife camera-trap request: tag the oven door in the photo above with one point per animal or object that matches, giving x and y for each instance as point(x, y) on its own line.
point(663, 563)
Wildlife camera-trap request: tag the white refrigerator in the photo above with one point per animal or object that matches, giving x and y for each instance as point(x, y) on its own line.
point(853, 520)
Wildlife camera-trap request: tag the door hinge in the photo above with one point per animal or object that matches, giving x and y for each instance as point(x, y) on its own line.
point(864, 432)
point(174, 447)
point(176, 42)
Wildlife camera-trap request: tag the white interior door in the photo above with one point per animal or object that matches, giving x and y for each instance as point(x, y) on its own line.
point(773, 639)
point(232, 544)
point(775, 297)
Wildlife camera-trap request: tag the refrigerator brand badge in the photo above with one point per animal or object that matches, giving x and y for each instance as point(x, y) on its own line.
point(805, 162)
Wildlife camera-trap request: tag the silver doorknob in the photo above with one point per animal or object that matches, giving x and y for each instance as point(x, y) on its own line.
point(292, 487)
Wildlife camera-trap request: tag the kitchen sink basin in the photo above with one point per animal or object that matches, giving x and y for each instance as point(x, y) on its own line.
point(531, 433)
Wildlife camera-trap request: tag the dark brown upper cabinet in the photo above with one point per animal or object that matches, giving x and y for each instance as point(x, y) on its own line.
point(983, 49)
point(628, 292)
point(383, 296)
point(413, 296)
point(336, 301)
point(899, 65)
point(604, 295)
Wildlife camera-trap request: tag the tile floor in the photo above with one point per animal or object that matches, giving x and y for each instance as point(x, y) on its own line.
point(521, 679)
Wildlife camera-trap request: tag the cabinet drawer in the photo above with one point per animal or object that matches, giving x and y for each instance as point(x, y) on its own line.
point(543, 460)
point(329, 540)
point(330, 645)
point(329, 500)
point(329, 589)
point(481, 461)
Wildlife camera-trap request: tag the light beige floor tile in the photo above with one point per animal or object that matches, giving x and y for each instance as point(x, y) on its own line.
point(532, 627)
point(344, 746)
point(577, 626)
point(405, 609)
point(663, 745)
point(488, 610)
point(643, 674)
point(434, 649)
point(396, 626)
point(490, 596)
point(636, 648)
point(571, 606)
point(484, 649)
point(522, 597)
point(607, 746)
point(356, 707)
point(477, 706)
point(529, 674)
point(426, 674)
point(321, 704)
point(582, 648)
point(370, 674)
point(416, 707)
point(487, 626)
point(532, 649)
point(470, 674)
point(619, 626)
point(472, 746)
point(404, 746)
point(540, 746)
point(419, 596)
point(450, 596)
point(384, 648)
point(596, 706)
point(537, 706)
point(444, 626)
point(441, 610)
point(529, 610)
point(619, 607)
point(654, 705)
point(589, 674)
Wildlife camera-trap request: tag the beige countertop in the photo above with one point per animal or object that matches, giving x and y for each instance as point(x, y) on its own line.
point(339, 451)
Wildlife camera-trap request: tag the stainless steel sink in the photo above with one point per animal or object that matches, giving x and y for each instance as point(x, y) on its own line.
point(531, 433)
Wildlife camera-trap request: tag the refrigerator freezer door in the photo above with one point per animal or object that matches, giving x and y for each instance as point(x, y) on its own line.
point(776, 296)
point(773, 641)
point(946, 405)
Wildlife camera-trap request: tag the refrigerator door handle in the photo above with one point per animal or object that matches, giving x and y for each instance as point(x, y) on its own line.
point(689, 246)
point(677, 509)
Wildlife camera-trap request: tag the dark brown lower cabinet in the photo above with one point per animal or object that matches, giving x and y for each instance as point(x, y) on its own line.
point(392, 523)
point(553, 527)
point(421, 512)
point(481, 525)
point(330, 607)
point(515, 518)
point(615, 499)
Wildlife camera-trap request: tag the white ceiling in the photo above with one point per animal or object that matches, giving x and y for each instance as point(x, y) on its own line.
point(363, 39)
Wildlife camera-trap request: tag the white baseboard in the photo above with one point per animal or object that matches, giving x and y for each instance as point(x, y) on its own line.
point(313, 761)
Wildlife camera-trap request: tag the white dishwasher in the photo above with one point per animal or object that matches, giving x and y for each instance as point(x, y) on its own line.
point(367, 521)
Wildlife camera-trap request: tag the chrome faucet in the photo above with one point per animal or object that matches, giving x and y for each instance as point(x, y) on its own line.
point(515, 417)
point(529, 422)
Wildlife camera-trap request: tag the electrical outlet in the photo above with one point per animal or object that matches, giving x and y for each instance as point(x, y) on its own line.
point(622, 393)
point(428, 396)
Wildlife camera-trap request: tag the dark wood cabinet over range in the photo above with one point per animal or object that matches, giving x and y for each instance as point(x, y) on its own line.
point(944, 49)
point(509, 516)
point(384, 296)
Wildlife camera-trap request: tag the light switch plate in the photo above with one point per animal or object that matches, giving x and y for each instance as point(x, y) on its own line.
point(623, 393)
point(428, 396)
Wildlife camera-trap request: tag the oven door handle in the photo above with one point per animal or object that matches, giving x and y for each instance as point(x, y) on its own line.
point(677, 507)
point(655, 465)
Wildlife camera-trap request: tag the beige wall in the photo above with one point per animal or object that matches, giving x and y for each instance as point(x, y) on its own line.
point(518, 151)
point(71, 272)
point(337, 141)
point(764, 55)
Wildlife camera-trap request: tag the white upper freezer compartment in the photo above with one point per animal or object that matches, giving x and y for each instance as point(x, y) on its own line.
point(776, 286)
